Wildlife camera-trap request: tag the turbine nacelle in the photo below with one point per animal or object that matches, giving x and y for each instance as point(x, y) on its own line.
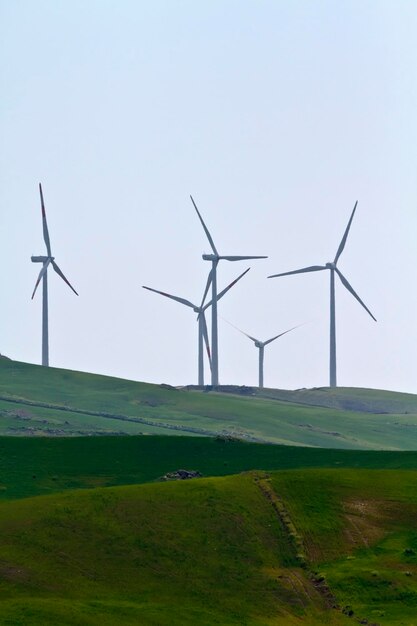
point(331, 265)
point(42, 259)
point(210, 257)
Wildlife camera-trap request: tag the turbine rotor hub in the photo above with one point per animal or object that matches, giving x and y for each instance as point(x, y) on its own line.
point(331, 265)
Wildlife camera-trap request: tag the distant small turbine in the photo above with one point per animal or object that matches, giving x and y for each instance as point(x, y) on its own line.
point(212, 280)
point(332, 266)
point(43, 274)
point(261, 347)
point(202, 324)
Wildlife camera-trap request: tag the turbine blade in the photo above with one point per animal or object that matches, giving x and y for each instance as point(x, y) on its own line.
point(221, 294)
point(206, 230)
point(44, 224)
point(353, 292)
point(206, 339)
point(176, 298)
point(343, 242)
point(311, 268)
point(249, 336)
point(241, 331)
point(41, 275)
point(209, 280)
point(281, 334)
point(240, 258)
point(58, 271)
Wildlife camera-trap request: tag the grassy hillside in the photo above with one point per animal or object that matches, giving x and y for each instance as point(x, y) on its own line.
point(295, 547)
point(36, 401)
point(363, 400)
point(32, 466)
point(208, 552)
point(359, 532)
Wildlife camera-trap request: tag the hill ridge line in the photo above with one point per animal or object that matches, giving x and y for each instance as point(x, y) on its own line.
point(276, 395)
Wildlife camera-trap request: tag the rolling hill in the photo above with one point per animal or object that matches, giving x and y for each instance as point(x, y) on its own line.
point(48, 401)
point(286, 548)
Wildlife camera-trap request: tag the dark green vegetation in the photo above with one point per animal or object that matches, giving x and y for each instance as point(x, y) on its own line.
point(42, 465)
point(294, 547)
point(40, 401)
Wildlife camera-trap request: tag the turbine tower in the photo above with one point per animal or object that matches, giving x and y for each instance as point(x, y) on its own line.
point(212, 280)
point(332, 266)
point(43, 275)
point(202, 324)
point(261, 347)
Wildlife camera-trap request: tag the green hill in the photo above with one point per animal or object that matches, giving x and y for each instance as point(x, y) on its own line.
point(296, 547)
point(348, 399)
point(44, 465)
point(48, 401)
point(358, 532)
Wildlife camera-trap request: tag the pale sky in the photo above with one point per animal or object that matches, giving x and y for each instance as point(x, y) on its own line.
point(277, 116)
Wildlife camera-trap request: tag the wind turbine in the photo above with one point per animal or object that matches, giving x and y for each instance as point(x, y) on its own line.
point(212, 280)
point(261, 347)
point(332, 266)
point(43, 275)
point(202, 324)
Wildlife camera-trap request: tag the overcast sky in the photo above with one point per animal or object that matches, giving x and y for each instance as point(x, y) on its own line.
point(277, 116)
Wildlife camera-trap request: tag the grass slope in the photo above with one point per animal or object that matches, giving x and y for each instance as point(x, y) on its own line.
point(211, 551)
point(36, 400)
point(292, 547)
point(359, 530)
point(363, 400)
point(31, 466)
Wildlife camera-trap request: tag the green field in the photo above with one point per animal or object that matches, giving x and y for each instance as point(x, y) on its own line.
point(47, 401)
point(292, 547)
point(43, 465)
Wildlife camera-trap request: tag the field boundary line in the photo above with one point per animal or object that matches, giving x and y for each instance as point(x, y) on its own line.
point(126, 418)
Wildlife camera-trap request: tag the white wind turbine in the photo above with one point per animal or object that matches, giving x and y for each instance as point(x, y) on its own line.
point(212, 280)
point(261, 347)
point(43, 275)
point(202, 324)
point(332, 266)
